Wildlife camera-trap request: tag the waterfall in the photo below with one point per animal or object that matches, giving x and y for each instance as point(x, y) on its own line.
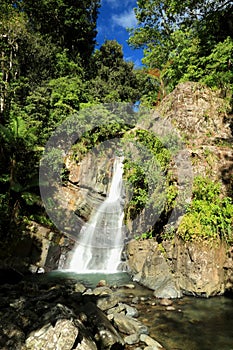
point(101, 239)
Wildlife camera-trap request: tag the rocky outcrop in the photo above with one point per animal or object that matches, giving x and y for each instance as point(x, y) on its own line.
point(175, 268)
point(200, 116)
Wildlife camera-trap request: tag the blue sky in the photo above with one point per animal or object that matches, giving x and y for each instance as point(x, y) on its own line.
point(114, 17)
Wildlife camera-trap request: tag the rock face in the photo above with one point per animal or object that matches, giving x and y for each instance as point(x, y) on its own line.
point(150, 268)
point(88, 183)
point(175, 268)
point(199, 115)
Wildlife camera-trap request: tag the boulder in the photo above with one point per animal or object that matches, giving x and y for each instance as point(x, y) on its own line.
point(107, 302)
point(60, 337)
point(102, 328)
point(128, 325)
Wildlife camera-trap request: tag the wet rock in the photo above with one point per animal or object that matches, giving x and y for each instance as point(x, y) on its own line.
point(131, 311)
point(170, 308)
point(102, 283)
point(89, 291)
point(150, 342)
point(104, 290)
point(108, 302)
point(148, 262)
point(79, 287)
point(53, 316)
point(156, 275)
point(115, 310)
point(129, 286)
point(165, 302)
point(143, 298)
point(11, 336)
point(110, 317)
point(128, 325)
point(106, 334)
point(131, 339)
point(200, 268)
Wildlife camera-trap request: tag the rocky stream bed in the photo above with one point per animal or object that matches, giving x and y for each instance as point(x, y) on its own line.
point(59, 312)
point(38, 314)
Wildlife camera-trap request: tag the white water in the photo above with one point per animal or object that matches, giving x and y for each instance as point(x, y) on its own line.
point(101, 240)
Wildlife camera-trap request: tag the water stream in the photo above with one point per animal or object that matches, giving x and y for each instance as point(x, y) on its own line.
point(191, 324)
point(101, 239)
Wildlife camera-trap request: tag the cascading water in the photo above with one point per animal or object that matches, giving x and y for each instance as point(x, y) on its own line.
point(101, 239)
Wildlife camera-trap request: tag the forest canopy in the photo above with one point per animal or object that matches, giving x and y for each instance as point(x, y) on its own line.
point(50, 68)
point(186, 41)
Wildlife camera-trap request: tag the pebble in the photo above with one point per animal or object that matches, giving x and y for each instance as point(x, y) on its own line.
point(129, 286)
point(170, 308)
point(165, 302)
point(153, 303)
point(144, 298)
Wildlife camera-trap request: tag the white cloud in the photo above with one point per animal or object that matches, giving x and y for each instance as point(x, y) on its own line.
point(125, 19)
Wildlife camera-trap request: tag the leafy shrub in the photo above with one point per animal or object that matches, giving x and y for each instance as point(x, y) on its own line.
point(209, 216)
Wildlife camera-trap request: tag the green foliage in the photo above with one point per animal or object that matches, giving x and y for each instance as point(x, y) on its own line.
point(145, 166)
point(219, 69)
point(71, 25)
point(145, 235)
point(115, 79)
point(209, 216)
point(186, 41)
point(49, 71)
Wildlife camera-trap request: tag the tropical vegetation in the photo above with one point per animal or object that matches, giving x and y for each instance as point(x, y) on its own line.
point(50, 68)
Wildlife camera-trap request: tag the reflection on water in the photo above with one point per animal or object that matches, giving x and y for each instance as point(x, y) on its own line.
point(195, 324)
